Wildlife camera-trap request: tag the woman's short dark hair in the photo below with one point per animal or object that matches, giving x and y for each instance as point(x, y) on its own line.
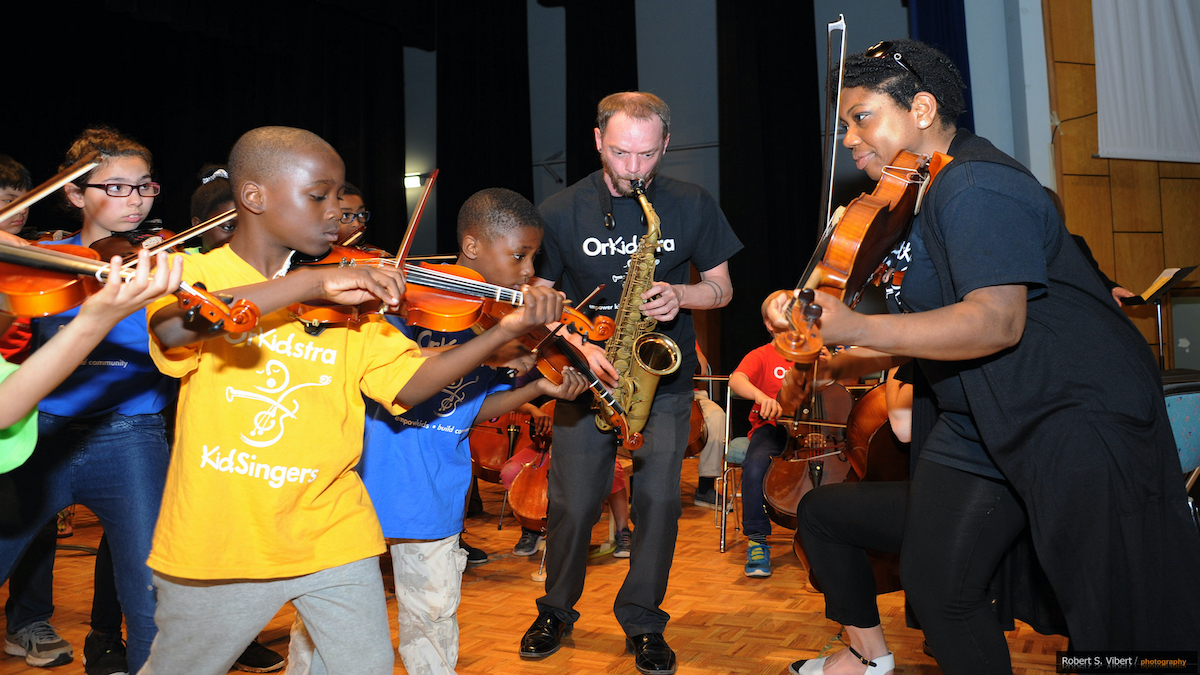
point(883, 74)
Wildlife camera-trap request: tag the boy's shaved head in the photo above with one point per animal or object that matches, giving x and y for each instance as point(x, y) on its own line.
point(263, 153)
point(494, 212)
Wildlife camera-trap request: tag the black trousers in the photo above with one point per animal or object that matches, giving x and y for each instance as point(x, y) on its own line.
point(581, 472)
point(951, 529)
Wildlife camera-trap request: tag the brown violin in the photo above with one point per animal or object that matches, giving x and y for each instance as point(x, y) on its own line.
point(39, 281)
point(856, 241)
point(154, 238)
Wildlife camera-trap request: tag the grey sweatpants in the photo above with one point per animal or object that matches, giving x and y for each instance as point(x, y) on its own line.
point(203, 626)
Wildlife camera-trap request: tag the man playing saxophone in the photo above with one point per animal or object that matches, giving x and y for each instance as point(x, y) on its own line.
point(594, 232)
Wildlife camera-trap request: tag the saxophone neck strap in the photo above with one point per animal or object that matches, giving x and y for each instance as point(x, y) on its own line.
point(605, 198)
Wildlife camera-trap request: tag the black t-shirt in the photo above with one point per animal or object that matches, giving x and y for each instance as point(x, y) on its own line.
point(992, 236)
point(582, 252)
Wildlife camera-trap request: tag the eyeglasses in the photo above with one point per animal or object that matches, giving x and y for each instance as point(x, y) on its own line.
point(884, 50)
point(125, 189)
point(362, 217)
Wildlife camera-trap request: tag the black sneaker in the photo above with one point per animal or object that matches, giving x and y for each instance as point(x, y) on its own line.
point(104, 654)
point(258, 659)
point(475, 556)
point(624, 543)
point(528, 543)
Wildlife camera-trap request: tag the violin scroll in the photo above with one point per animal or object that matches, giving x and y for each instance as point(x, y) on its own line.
point(239, 317)
point(599, 328)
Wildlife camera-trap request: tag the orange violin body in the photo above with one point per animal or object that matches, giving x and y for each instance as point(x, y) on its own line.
point(28, 291)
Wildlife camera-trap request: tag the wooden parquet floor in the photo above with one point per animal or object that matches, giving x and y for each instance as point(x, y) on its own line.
point(722, 622)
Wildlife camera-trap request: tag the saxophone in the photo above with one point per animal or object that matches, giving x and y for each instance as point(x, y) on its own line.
point(640, 355)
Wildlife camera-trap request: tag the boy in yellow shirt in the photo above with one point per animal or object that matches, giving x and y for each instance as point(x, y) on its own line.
point(262, 505)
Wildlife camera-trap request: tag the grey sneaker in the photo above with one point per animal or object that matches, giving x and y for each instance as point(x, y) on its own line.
point(624, 542)
point(528, 543)
point(40, 644)
point(708, 499)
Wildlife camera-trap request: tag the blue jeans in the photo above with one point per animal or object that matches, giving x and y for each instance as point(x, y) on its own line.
point(31, 584)
point(115, 465)
point(768, 441)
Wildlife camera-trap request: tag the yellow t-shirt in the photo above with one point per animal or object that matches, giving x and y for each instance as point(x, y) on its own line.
point(262, 483)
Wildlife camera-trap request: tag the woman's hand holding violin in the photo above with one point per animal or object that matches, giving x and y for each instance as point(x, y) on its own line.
point(839, 324)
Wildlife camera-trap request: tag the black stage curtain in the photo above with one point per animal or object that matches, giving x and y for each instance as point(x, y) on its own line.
point(483, 134)
point(943, 24)
point(601, 60)
point(770, 155)
point(187, 79)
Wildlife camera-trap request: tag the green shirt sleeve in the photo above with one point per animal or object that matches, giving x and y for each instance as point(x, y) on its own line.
point(16, 442)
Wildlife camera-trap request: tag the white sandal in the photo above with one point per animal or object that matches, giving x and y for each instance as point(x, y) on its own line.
point(879, 666)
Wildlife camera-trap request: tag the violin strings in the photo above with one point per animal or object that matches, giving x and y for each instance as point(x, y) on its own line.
point(450, 282)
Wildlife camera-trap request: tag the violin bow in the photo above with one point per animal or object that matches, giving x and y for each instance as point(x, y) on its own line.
point(194, 231)
point(411, 233)
point(51, 186)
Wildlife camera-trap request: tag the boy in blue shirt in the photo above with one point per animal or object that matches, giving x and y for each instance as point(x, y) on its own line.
point(417, 466)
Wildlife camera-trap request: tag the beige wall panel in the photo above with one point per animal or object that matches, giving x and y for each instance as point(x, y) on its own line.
point(1181, 224)
point(1071, 31)
point(1076, 90)
point(1080, 142)
point(1178, 170)
point(1139, 258)
point(1086, 200)
point(1136, 206)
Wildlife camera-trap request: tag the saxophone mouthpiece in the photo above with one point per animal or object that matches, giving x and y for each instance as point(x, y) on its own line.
point(637, 185)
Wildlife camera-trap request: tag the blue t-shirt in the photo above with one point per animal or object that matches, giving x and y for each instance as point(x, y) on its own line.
point(118, 376)
point(417, 466)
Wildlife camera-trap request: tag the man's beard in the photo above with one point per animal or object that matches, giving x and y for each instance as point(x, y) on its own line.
point(621, 185)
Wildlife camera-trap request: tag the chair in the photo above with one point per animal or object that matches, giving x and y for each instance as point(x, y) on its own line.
point(1181, 390)
point(735, 452)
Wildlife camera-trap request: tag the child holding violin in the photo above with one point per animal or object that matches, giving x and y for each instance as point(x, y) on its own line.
point(262, 505)
point(101, 438)
point(417, 465)
point(211, 199)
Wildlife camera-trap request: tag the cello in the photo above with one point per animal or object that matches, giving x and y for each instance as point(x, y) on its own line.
point(528, 494)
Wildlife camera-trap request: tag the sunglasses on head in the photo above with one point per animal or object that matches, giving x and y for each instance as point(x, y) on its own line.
point(886, 50)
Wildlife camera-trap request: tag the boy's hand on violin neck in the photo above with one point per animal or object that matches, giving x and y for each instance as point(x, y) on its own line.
point(542, 305)
point(573, 384)
point(356, 285)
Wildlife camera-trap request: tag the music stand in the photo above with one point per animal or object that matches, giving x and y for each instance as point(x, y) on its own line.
point(1155, 295)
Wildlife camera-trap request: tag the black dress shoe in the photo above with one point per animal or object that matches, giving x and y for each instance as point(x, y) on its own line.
point(544, 636)
point(651, 655)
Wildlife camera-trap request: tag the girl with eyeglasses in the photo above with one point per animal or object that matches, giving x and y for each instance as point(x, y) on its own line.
point(1040, 433)
point(101, 436)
